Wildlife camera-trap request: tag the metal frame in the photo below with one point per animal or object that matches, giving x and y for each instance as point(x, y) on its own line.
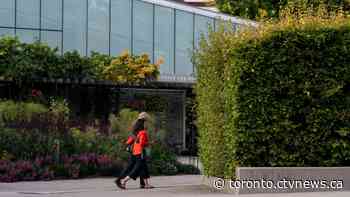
point(110, 27)
point(40, 15)
point(200, 11)
point(87, 29)
point(62, 27)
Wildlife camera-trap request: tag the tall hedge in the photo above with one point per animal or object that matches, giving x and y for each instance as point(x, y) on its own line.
point(284, 93)
point(210, 109)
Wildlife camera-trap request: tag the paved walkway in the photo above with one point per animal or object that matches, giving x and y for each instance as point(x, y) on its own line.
point(168, 186)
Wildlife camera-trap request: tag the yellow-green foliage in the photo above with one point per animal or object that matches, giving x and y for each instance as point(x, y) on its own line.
point(128, 68)
point(211, 60)
point(122, 124)
point(23, 62)
point(20, 111)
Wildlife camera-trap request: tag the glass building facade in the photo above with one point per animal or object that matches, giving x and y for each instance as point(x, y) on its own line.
point(160, 28)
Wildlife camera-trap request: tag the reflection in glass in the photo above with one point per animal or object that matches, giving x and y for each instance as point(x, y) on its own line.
point(120, 26)
point(28, 13)
point(27, 36)
point(98, 32)
point(74, 31)
point(164, 38)
point(6, 32)
point(184, 43)
point(51, 14)
point(202, 25)
point(7, 13)
point(143, 28)
point(52, 38)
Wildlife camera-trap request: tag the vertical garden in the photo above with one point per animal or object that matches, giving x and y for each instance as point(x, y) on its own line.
point(277, 95)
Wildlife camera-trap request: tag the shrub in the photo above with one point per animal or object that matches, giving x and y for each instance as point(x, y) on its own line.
point(46, 168)
point(285, 91)
point(128, 68)
point(122, 123)
point(24, 62)
point(210, 62)
point(11, 111)
point(271, 8)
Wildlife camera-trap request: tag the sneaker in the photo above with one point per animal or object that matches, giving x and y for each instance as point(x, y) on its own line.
point(119, 184)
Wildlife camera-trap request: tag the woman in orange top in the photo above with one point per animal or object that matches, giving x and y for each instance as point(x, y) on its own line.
point(140, 168)
point(132, 159)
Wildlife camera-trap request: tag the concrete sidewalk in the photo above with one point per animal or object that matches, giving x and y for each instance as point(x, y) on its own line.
point(169, 186)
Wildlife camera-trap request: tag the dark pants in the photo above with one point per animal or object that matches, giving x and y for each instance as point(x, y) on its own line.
point(140, 168)
point(131, 164)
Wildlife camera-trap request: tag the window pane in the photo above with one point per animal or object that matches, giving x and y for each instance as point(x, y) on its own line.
point(98, 26)
point(52, 38)
point(120, 26)
point(74, 31)
point(164, 38)
point(6, 32)
point(143, 28)
point(184, 43)
point(27, 36)
point(51, 14)
point(28, 13)
point(7, 13)
point(202, 24)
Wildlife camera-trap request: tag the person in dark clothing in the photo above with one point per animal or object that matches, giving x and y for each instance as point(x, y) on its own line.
point(132, 159)
point(138, 163)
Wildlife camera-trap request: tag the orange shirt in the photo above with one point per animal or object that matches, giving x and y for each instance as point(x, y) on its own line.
point(140, 143)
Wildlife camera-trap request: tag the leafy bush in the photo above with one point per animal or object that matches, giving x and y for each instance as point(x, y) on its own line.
point(285, 94)
point(24, 62)
point(211, 61)
point(46, 168)
point(272, 8)
point(122, 123)
point(163, 162)
point(11, 111)
point(128, 68)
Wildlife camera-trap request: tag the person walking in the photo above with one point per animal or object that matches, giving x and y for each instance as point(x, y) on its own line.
point(138, 165)
point(132, 159)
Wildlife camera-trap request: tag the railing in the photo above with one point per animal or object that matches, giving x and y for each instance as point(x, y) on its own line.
point(177, 78)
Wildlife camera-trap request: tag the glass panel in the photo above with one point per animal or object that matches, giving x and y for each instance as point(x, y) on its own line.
point(74, 31)
point(51, 14)
point(7, 13)
point(27, 36)
point(28, 13)
point(164, 38)
point(143, 28)
point(120, 26)
point(202, 25)
point(7, 32)
point(184, 43)
point(228, 26)
point(98, 26)
point(52, 38)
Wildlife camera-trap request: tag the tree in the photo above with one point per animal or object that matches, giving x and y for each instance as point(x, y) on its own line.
point(257, 9)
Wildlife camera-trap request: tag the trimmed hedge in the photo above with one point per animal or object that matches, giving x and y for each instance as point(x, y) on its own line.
point(286, 95)
point(209, 95)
